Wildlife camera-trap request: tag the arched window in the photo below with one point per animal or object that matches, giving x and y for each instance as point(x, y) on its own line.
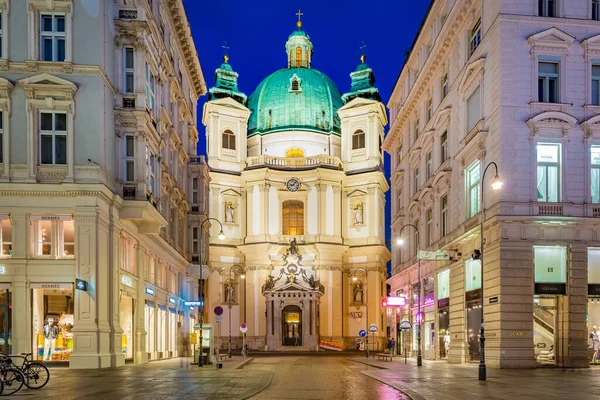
point(294, 152)
point(293, 218)
point(306, 57)
point(290, 60)
point(228, 140)
point(295, 84)
point(298, 56)
point(358, 140)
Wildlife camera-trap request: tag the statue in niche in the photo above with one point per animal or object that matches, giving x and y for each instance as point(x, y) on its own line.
point(358, 293)
point(229, 291)
point(358, 214)
point(229, 210)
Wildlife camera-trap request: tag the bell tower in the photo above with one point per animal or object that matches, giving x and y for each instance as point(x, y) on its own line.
point(299, 48)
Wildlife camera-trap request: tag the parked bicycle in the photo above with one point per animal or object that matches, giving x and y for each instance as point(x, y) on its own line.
point(12, 378)
point(35, 374)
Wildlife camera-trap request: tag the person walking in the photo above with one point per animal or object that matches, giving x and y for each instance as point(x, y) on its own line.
point(391, 345)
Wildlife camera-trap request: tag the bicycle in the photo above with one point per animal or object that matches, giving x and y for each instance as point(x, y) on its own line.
point(12, 378)
point(35, 373)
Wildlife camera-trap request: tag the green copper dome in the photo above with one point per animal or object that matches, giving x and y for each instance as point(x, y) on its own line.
point(295, 99)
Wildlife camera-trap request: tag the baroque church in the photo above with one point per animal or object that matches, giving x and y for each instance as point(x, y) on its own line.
point(297, 183)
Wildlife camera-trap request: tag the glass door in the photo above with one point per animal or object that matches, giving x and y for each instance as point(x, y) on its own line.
point(5, 322)
point(544, 329)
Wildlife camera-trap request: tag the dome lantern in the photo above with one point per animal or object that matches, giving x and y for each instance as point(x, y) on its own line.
point(299, 48)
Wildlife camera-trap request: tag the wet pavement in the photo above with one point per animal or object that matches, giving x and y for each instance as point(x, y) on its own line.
point(328, 378)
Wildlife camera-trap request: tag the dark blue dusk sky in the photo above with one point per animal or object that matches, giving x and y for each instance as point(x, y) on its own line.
point(256, 32)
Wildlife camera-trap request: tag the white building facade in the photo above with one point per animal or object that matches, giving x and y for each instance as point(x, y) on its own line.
point(515, 83)
point(98, 124)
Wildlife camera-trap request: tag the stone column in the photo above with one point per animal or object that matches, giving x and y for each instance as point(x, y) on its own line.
point(322, 201)
point(141, 354)
point(573, 335)
point(457, 314)
point(22, 332)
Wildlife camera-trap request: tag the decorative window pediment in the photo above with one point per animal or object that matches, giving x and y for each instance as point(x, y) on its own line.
point(295, 84)
point(44, 85)
point(473, 74)
point(551, 121)
point(592, 45)
point(442, 118)
point(592, 127)
point(551, 40)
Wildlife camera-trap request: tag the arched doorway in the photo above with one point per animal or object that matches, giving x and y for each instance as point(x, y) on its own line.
point(292, 326)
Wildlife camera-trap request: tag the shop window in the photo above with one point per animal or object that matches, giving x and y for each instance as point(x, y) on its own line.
point(358, 140)
point(443, 285)
point(550, 264)
point(472, 176)
point(475, 37)
point(5, 321)
point(52, 37)
point(54, 236)
point(548, 172)
point(228, 140)
point(293, 218)
point(594, 265)
point(149, 323)
point(428, 290)
point(126, 319)
point(472, 275)
point(53, 138)
point(473, 109)
point(6, 237)
point(548, 79)
point(52, 322)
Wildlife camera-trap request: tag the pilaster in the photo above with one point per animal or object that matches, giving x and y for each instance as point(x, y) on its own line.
point(457, 351)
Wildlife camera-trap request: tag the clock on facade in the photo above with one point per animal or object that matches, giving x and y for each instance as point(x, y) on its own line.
point(293, 185)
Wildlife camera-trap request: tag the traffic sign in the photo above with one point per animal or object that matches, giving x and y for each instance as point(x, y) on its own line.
point(219, 319)
point(439, 255)
point(362, 333)
point(373, 328)
point(405, 325)
point(243, 328)
point(218, 310)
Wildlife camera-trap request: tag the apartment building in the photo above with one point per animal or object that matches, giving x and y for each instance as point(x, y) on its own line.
point(512, 84)
point(99, 182)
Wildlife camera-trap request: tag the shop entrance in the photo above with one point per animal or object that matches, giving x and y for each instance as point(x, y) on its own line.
point(292, 326)
point(473, 304)
point(5, 321)
point(444, 332)
point(126, 316)
point(544, 329)
point(52, 322)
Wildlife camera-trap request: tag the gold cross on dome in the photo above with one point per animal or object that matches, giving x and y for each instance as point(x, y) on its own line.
point(225, 51)
point(299, 14)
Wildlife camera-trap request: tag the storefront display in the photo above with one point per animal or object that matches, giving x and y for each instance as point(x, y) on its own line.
point(126, 309)
point(161, 331)
point(593, 305)
point(172, 333)
point(544, 326)
point(5, 321)
point(53, 318)
point(150, 311)
point(443, 303)
point(473, 308)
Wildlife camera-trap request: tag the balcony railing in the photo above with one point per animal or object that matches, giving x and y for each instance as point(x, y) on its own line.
point(295, 163)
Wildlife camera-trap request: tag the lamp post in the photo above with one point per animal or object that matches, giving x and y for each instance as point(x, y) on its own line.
point(221, 236)
point(230, 298)
point(419, 317)
point(354, 278)
point(496, 185)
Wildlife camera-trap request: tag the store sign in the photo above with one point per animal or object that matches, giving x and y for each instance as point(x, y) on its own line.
point(440, 255)
point(80, 284)
point(51, 285)
point(550, 288)
point(127, 281)
point(150, 291)
point(51, 218)
point(493, 300)
point(192, 303)
point(396, 301)
point(404, 325)
point(443, 303)
point(594, 289)
point(2, 269)
point(171, 300)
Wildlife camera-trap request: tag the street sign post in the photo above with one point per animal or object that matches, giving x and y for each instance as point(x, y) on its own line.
point(439, 255)
point(218, 310)
point(244, 329)
point(362, 333)
point(404, 326)
point(373, 329)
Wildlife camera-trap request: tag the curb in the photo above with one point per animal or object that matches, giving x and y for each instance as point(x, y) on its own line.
point(246, 362)
point(403, 389)
point(261, 389)
point(366, 363)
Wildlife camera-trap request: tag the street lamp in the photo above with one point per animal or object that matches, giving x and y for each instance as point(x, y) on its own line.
point(400, 242)
point(221, 236)
point(230, 296)
point(354, 279)
point(496, 185)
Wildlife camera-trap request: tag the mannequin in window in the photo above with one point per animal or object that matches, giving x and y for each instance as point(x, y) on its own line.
point(50, 335)
point(595, 338)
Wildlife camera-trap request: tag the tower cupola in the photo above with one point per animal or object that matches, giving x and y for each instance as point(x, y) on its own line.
point(299, 48)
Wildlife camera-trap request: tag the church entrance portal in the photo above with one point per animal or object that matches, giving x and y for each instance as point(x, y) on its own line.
point(292, 326)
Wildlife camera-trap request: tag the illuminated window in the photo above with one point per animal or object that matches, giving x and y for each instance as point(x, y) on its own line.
point(548, 172)
point(290, 60)
point(229, 140)
point(294, 152)
point(306, 57)
point(6, 237)
point(54, 236)
point(358, 140)
point(472, 175)
point(293, 217)
point(298, 56)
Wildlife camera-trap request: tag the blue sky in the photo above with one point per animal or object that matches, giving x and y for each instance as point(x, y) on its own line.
point(256, 32)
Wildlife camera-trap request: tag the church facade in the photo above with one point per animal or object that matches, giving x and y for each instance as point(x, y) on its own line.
point(297, 184)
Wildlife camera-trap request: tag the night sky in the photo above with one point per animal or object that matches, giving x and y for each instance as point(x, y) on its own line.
point(256, 32)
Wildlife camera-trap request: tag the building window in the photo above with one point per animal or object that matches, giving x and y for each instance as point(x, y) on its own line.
point(429, 165)
point(52, 37)
point(151, 172)
point(293, 218)
point(54, 236)
point(150, 88)
point(416, 237)
point(475, 37)
point(400, 153)
point(444, 216)
point(416, 180)
point(127, 255)
point(1, 136)
point(445, 86)
point(53, 138)
point(444, 146)
point(429, 110)
point(548, 81)
point(228, 138)
point(473, 109)
point(129, 158)
point(298, 56)
point(596, 84)
point(472, 275)
point(416, 134)
point(294, 152)
point(194, 190)
point(548, 172)
point(596, 10)
point(429, 227)
point(472, 175)
point(6, 237)
point(358, 140)
point(129, 69)
point(595, 174)
point(195, 241)
point(1, 37)
point(547, 8)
